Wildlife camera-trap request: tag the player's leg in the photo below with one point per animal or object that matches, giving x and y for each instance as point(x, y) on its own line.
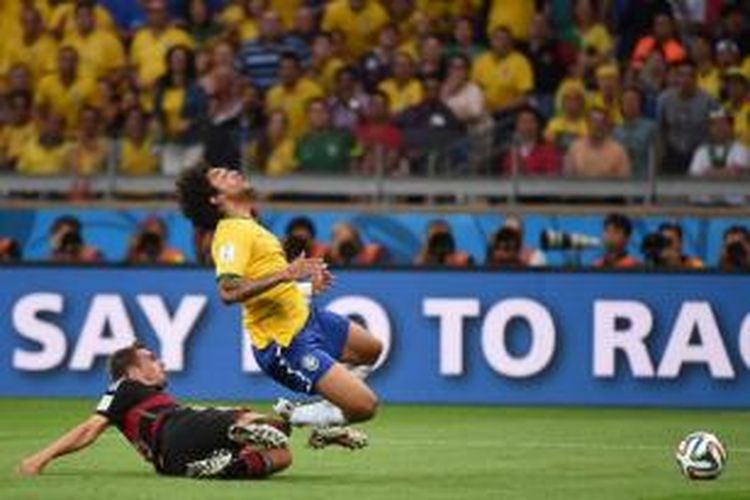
point(361, 346)
point(216, 443)
point(349, 393)
point(248, 462)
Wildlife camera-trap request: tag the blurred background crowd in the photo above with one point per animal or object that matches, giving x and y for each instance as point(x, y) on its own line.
point(506, 248)
point(609, 88)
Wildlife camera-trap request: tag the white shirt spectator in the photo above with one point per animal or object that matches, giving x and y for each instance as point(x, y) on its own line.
point(467, 103)
point(716, 157)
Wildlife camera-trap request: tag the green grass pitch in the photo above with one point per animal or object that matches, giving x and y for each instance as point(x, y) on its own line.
point(416, 452)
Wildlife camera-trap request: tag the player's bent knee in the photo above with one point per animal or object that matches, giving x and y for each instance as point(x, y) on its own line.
point(361, 409)
point(375, 351)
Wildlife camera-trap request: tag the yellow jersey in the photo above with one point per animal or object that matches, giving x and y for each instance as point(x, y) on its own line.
point(100, 52)
point(401, 97)
point(514, 14)
point(66, 100)
point(294, 102)
point(562, 131)
point(13, 139)
point(36, 159)
point(242, 247)
point(360, 28)
point(503, 79)
point(40, 56)
point(138, 158)
point(709, 80)
point(149, 51)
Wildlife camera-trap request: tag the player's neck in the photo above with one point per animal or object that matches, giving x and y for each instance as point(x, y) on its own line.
point(240, 209)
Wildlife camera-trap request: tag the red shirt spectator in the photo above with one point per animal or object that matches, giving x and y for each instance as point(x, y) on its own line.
point(534, 155)
point(379, 138)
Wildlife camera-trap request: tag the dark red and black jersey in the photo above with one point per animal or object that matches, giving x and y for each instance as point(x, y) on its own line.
point(137, 410)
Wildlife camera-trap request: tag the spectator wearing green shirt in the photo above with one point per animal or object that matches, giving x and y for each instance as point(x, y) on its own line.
point(325, 149)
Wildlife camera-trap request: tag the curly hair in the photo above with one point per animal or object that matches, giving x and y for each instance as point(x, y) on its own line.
point(194, 194)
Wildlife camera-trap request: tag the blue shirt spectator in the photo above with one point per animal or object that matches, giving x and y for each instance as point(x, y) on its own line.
point(259, 59)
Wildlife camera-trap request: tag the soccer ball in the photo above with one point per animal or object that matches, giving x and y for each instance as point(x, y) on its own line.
point(701, 456)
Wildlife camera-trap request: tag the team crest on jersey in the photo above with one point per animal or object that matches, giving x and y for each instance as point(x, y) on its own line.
point(310, 363)
point(226, 252)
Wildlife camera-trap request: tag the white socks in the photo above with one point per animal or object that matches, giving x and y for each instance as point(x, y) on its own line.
point(321, 413)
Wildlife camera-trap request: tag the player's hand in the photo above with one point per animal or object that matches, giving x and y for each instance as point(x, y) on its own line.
point(304, 267)
point(322, 281)
point(31, 466)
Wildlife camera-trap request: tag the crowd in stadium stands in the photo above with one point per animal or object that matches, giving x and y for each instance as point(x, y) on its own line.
point(662, 249)
point(547, 87)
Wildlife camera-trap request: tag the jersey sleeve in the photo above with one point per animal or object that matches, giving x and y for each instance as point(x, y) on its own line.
point(115, 402)
point(231, 250)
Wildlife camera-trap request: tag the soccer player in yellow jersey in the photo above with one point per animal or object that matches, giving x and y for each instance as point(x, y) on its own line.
point(296, 344)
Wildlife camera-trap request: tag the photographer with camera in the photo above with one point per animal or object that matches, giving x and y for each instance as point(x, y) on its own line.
point(505, 249)
point(347, 248)
point(149, 245)
point(616, 236)
point(440, 248)
point(735, 250)
point(663, 249)
point(10, 251)
point(300, 237)
point(67, 244)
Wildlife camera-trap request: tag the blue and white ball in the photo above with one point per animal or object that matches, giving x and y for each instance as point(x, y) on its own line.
point(701, 455)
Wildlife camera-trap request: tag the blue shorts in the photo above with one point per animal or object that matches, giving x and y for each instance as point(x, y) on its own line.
point(311, 354)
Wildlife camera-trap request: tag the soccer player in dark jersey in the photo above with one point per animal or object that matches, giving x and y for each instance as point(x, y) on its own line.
point(177, 440)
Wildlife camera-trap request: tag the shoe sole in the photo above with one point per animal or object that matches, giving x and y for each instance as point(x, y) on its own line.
point(345, 437)
point(262, 435)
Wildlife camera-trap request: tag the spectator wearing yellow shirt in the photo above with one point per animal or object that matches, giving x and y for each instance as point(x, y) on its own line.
point(608, 93)
point(47, 152)
point(100, 51)
point(179, 104)
point(62, 18)
point(402, 89)
point(571, 124)
point(504, 74)
point(324, 64)
point(444, 13)
point(67, 90)
point(589, 34)
point(359, 21)
point(247, 25)
point(152, 42)
point(709, 77)
point(516, 14)
point(273, 153)
point(137, 152)
point(238, 11)
point(292, 93)
point(18, 130)
point(33, 46)
point(89, 153)
point(738, 103)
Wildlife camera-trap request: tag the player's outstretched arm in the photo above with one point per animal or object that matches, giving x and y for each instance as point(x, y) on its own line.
point(74, 440)
point(233, 289)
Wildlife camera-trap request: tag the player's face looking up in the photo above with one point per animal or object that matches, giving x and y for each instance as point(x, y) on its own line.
point(231, 187)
